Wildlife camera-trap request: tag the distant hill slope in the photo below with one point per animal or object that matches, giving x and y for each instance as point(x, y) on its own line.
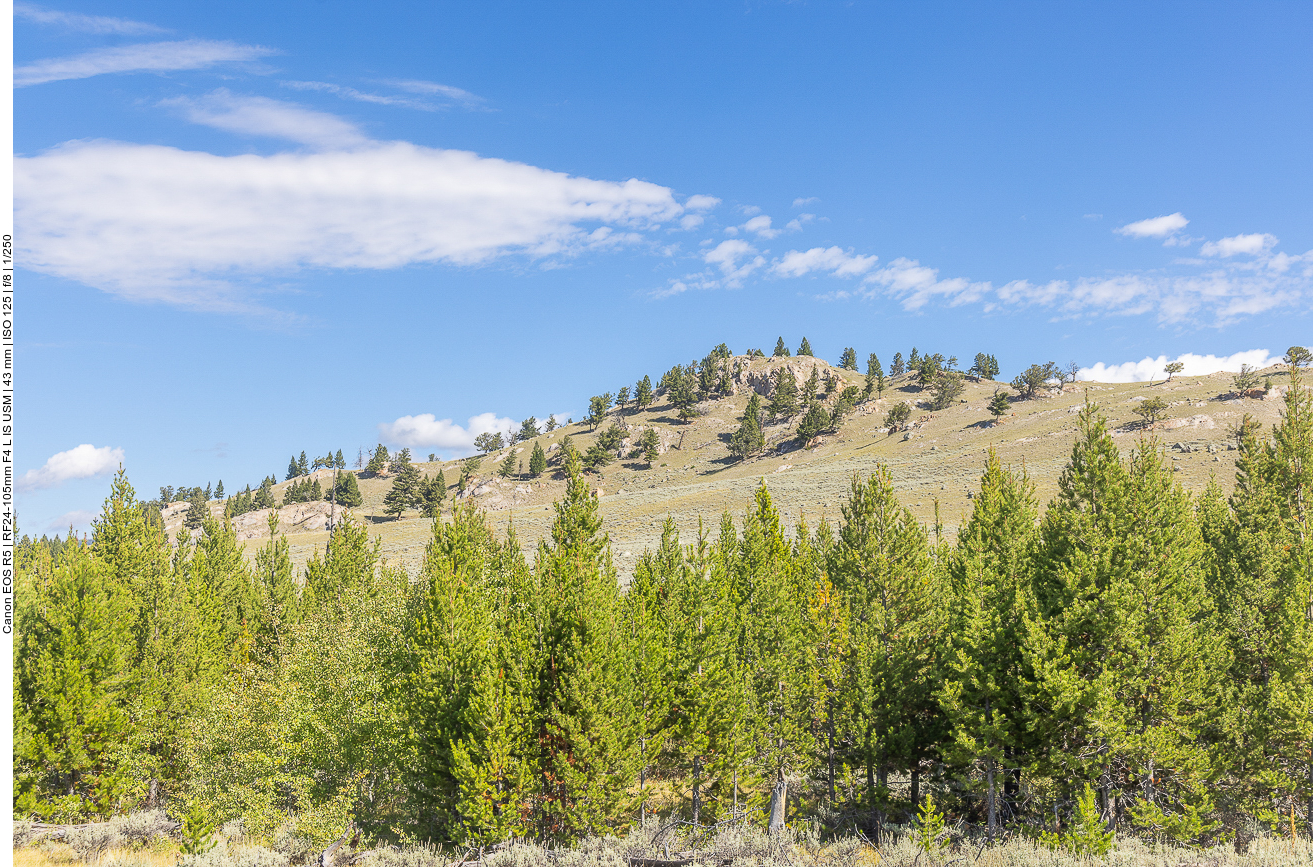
point(939, 458)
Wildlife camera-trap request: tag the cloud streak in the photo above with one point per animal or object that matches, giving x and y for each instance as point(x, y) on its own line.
point(83, 23)
point(146, 57)
point(82, 462)
point(1154, 227)
point(260, 116)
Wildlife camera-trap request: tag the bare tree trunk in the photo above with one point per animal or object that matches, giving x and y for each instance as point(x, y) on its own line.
point(778, 796)
point(916, 787)
point(697, 793)
point(326, 857)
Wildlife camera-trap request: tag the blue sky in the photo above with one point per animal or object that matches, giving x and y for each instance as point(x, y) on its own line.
point(248, 229)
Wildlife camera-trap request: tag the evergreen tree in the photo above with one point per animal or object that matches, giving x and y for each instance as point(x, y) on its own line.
point(748, 439)
point(218, 490)
point(551, 423)
point(293, 469)
point(784, 398)
point(1029, 382)
point(897, 369)
point(813, 422)
point(682, 391)
point(507, 468)
point(986, 679)
point(874, 376)
point(984, 367)
point(378, 462)
point(399, 461)
point(404, 492)
point(914, 360)
point(643, 393)
point(809, 391)
point(529, 428)
point(489, 441)
point(622, 397)
point(848, 361)
point(197, 512)
point(537, 460)
point(805, 348)
point(347, 490)
point(303, 466)
point(338, 461)
point(432, 493)
point(597, 408)
point(650, 443)
point(999, 405)
point(781, 351)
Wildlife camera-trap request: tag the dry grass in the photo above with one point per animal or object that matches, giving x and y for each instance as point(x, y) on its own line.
point(940, 461)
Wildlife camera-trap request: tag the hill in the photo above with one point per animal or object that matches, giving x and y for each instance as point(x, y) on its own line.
point(937, 460)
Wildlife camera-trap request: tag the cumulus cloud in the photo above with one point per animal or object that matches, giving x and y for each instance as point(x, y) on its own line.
point(796, 224)
point(735, 259)
point(760, 226)
point(1149, 369)
point(260, 116)
point(82, 23)
point(1248, 245)
point(145, 57)
point(427, 431)
point(833, 260)
point(158, 223)
point(701, 203)
point(916, 285)
point(1154, 227)
point(82, 462)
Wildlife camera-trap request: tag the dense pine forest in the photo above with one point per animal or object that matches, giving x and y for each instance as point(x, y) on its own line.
point(1128, 647)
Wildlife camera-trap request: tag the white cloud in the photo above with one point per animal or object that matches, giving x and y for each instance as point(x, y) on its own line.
point(727, 255)
point(79, 519)
point(1093, 216)
point(260, 116)
point(1149, 369)
point(158, 223)
point(427, 431)
point(1248, 245)
point(916, 284)
point(146, 57)
point(836, 261)
point(760, 226)
point(690, 221)
point(432, 88)
point(83, 23)
point(802, 203)
point(81, 462)
point(1154, 227)
point(796, 224)
point(701, 203)
point(359, 95)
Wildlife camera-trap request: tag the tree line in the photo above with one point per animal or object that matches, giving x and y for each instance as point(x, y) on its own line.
point(1153, 645)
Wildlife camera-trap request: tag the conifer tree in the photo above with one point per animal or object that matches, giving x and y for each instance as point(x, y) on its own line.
point(784, 399)
point(197, 512)
point(378, 462)
point(622, 397)
point(302, 465)
point(999, 405)
point(597, 407)
point(278, 594)
point(805, 348)
point(813, 422)
point(433, 491)
point(404, 491)
point(897, 368)
point(874, 376)
point(218, 490)
point(347, 490)
point(848, 361)
point(810, 389)
point(399, 461)
point(529, 428)
point(650, 443)
point(293, 469)
point(339, 461)
point(507, 468)
point(643, 393)
point(881, 562)
point(986, 679)
point(748, 439)
point(551, 423)
point(914, 360)
point(781, 351)
point(537, 460)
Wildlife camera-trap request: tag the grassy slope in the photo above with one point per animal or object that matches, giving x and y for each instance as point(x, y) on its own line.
point(941, 461)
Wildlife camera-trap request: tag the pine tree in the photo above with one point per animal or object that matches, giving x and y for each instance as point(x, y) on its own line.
point(347, 490)
point(432, 493)
point(999, 405)
point(529, 428)
point(197, 512)
point(781, 351)
point(537, 460)
point(805, 348)
point(404, 491)
point(897, 369)
point(913, 360)
point(378, 462)
point(986, 680)
point(622, 397)
point(303, 465)
point(848, 361)
point(643, 393)
point(338, 461)
point(874, 376)
point(208, 494)
point(597, 407)
point(218, 490)
point(507, 468)
point(814, 422)
point(293, 469)
point(650, 443)
point(748, 439)
point(399, 461)
point(784, 399)
point(551, 423)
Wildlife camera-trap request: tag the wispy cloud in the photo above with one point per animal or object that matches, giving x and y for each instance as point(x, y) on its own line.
point(802, 203)
point(82, 462)
point(428, 431)
point(1149, 369)
point(1154, 227)
point(145, 57)
point(157, 223)
point(359, 95)
point(1249, 245)
point(433, 88)
point(736, 260)
point(83, 23)
point(79, 519)
point(831, 260)
point(260, 116)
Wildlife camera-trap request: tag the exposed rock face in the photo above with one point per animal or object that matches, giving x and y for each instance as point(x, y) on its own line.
point(497, 494)
point(757, 374)
point(292, 518)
